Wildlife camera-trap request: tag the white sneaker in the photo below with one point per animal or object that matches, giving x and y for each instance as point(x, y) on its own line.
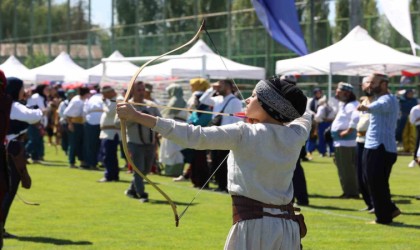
point(412, 164)
point(179, 178)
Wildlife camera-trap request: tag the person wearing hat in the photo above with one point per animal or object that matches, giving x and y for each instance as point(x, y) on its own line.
point(63, 125)
point(148, 90)
point(109, 136)
point(380, 151)
point(260, 178)
point(343, 132)
point(20, 118)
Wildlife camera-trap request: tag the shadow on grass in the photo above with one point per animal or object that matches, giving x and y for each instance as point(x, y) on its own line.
point(54, 164)
point(321, 196)
point(401, 201)
point(331, 208)
point(405, 196)
point(160, 202)
point(54, 241)
point(400, 224)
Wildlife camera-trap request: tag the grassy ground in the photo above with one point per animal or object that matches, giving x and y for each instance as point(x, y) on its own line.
point(76, 212)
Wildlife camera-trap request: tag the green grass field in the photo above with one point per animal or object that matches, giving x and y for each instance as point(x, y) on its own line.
point(76, 212)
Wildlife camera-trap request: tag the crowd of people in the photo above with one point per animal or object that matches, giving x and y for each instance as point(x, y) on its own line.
point(183, 142)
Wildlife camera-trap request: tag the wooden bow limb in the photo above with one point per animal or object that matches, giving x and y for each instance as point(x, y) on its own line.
point(123, 124)
point(239, 114)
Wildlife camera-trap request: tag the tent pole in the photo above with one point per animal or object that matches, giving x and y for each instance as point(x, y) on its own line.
point(329, 83)
point(203, 67)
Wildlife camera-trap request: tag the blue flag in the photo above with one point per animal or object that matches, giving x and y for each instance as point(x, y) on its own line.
point(279, 18)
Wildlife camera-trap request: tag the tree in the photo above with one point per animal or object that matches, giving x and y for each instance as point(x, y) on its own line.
point(341, 19)
point(321, 24)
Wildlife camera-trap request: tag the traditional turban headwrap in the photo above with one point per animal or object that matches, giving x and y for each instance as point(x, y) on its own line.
point(280, 99)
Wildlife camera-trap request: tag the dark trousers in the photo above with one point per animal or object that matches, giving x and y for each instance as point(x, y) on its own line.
point(322, 144)
point(377, 166)
point(299, 185)
point(35, 145)
point(75, 143)
point(4, 179)
point(218, 158)
point(199, 168)
point(109, 158)
point(363, 186)
point(64, 137)
point(91, 144)
point(10, 195)
point(417, 141)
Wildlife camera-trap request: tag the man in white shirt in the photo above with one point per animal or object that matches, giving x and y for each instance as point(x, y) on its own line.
point(92, 110)
point(343, 132)
point(74, 115)
point(225, 102)
point(109, 136)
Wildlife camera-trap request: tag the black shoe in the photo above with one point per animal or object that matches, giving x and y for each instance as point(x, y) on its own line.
point(144, 198)
point(365, 209)
point(7, 235)
point(132, 194)
point(396, 213)
point(300, 203)
point(222, 190)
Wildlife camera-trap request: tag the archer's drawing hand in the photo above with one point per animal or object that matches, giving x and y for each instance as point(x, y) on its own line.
point(126, 111)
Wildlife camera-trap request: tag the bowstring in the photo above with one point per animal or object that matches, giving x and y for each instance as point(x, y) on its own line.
point(202, 187)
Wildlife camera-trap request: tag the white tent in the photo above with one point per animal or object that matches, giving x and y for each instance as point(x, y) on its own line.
point(356, 54)
point(13, 67)
point(62, 68)
point(113, 70)
point(205, 63)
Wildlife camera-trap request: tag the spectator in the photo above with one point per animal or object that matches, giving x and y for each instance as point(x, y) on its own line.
point(109, 136)
point(63, 125)
point(362, 127)
point(324, 117)
point(380, 152)
point(92, 110)
point(313, 104)
point(225, 102)
point(414, 118)
point(141, 144)
point(36, 132)
point(170, 153)
point(74, 115)
point(405, 130)
point(343, 131)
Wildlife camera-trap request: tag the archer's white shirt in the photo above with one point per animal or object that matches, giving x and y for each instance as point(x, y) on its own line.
point(262, 156)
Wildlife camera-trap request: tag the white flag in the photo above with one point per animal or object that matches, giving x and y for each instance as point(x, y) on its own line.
point(398, 14)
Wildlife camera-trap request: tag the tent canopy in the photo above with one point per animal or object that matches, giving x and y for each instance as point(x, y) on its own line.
point(114, 70)
point(13, 67)
point(205, 63)
point(357, 54)
point(62, 68)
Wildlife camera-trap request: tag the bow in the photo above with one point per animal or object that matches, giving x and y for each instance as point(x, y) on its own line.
point(123, 124)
